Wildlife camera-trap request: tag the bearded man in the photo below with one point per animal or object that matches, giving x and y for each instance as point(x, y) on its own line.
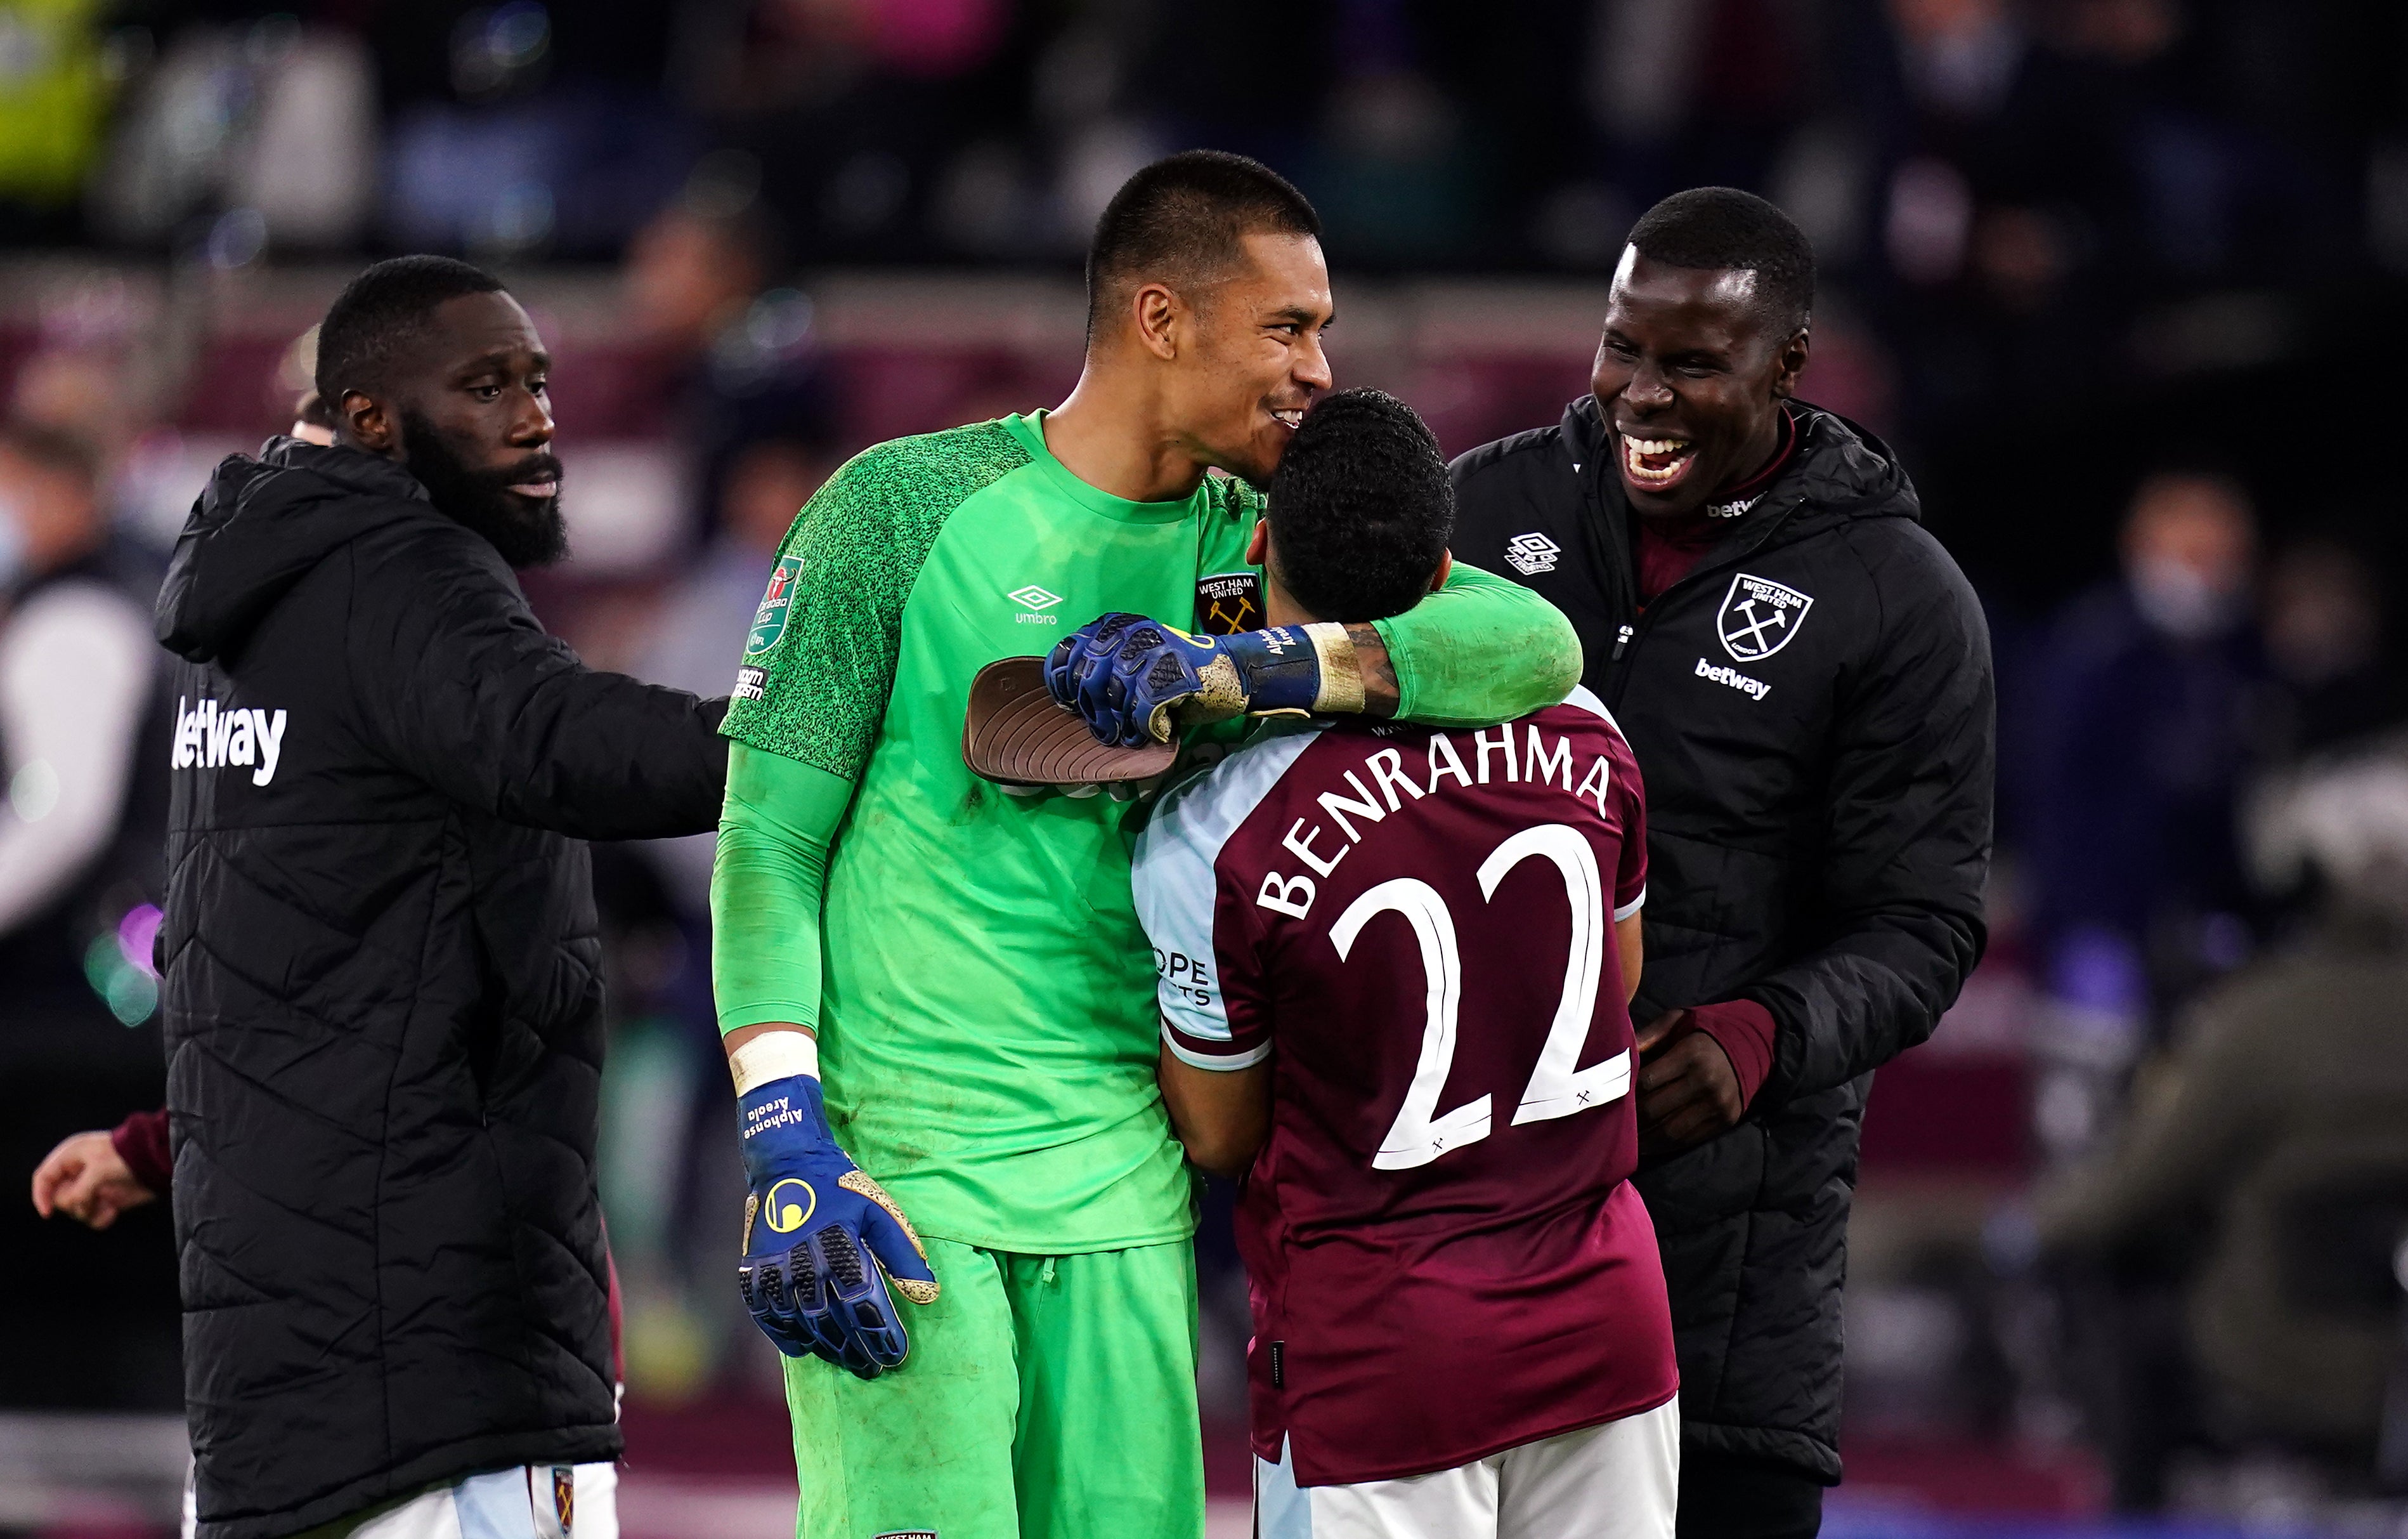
point(378, 967)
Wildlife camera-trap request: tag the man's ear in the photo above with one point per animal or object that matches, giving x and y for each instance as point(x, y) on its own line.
point(1160, 317)
point(1445, 571)
point(1258, 548)
point(368, 423)
point(1792, 364)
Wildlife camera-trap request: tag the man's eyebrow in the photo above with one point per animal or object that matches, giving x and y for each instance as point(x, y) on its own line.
point(1301, 315)
point(500, 358)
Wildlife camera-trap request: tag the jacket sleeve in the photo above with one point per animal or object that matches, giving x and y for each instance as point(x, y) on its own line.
point(1906, 839)
point(457, 684)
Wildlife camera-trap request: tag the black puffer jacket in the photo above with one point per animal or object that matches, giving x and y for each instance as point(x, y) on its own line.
point(1813, 711)
point(382, 991)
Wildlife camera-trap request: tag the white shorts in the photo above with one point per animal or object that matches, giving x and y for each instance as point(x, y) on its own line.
point(525, 1501)
point(1616, 1480)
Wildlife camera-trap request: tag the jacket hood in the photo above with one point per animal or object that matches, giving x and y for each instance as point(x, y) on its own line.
point(1842, 472)
point(263, 525)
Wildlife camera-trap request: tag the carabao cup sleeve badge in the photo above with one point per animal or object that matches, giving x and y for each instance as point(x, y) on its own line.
point(770, 620)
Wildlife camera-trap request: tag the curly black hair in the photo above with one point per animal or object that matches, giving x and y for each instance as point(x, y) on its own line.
point(1360, 508)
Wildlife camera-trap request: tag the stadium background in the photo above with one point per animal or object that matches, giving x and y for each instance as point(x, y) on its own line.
point(2065, 244)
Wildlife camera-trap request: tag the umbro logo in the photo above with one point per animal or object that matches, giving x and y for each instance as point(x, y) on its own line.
point(1532, 554)
point(1033, 601)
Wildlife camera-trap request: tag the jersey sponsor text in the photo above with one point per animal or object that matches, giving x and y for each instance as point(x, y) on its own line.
point(209, 735)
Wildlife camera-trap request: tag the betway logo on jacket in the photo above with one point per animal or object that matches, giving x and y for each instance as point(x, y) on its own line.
point(207, 737)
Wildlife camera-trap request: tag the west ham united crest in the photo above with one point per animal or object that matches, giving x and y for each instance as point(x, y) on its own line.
point(1758, 617)
point(1229, 602)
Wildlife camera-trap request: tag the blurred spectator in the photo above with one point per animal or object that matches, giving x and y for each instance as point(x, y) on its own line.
point(737, 360)
point(695, 266)
point(2143, 723)
point(246, 137)
point(2235, 1253)
point(701, 630)
point(78, 671)
point(79, 392)
point(53, 105)
point(2323, 619)
point(883, 92)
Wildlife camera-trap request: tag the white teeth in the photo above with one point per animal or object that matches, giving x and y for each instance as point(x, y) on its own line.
point(1291, 418)
point(1632, 449)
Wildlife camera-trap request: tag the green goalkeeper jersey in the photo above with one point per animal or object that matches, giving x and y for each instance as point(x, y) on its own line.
point(984, 993)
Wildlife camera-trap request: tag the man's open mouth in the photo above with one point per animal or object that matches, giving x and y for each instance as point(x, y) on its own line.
point(1656, 465)
point(1289, 417)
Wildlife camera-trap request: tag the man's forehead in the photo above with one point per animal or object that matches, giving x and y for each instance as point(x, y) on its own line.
point(469, 326)
point(1640, 279)
point(1282, 271)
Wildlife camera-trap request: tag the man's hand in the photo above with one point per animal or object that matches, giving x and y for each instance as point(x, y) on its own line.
point(822, 1239)
point(86, 1179)
point(1688, 1089)
point(1135, 680)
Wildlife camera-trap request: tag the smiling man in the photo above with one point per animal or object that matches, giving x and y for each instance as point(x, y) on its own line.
point(380, 980)
point(946, 980)
point(1805, 677)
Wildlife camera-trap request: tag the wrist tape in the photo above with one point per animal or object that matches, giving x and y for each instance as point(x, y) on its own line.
point(774, 1055)
point(1341, 671)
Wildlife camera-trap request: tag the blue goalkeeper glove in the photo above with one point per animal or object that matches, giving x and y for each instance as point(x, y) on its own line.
point(818, 1233)
point(1130, 676)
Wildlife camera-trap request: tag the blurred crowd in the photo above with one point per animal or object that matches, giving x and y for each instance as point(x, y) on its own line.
point(2117, 275)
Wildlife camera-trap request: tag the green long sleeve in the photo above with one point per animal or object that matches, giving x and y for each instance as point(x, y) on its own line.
point(1480, 650)
point(766, 883)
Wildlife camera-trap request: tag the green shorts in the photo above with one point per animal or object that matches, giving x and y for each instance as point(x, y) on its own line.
point(1046, 1396)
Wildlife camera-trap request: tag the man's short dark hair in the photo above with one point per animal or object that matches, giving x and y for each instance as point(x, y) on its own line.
point(1360, 508)
point(383, 310)
point(1721, 228)
point(1183, 219)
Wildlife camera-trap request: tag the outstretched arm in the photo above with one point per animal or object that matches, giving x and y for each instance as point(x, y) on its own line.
point(1478, 650)
point(462, 688)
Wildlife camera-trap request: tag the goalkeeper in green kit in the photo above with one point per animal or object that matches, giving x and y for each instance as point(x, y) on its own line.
point(936, 996)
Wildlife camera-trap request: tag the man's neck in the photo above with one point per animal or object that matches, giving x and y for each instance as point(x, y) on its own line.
point(1111, 434)
point(1279, 609)
point(1766, 448)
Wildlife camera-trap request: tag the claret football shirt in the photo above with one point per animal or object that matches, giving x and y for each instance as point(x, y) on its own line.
point(1415, 926)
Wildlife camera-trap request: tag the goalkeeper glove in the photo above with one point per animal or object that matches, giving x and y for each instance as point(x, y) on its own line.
point(1130, 676)
point(822, 1240)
